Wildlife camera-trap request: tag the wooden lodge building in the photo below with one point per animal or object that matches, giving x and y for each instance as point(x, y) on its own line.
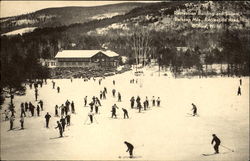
point(83, 58)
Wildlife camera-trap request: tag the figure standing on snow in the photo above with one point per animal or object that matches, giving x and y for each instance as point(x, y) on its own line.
point(114, 107)
point(72, 107)
point(158, 102)
point(41, 104)
point(59, 126)
point(217, 143)
point(38, 110)
point(68, 119)
point(119, 97)
point(58, 89)
point(63, 122)
point(85, 101)
point(130, 148)
point(113, 92)
point(22, 122)
point(132, 102)
point(113, 82)
point(56, 110)
point(194, 109)
point(239, 91)
point(47, 117)
point(12, 119)
point(125, 113)
point(22, 110)
point(53, 83)
point(240, 81)
point(153, 101)
point(91, 116)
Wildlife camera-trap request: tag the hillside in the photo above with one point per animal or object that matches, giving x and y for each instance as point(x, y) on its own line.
point(52, 17)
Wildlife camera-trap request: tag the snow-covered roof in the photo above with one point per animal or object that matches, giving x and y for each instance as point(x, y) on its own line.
point(83, 53)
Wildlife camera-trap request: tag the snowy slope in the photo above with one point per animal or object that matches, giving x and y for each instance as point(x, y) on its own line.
point(161, 133)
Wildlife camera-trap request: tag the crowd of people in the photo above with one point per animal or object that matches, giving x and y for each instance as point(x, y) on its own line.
point(27, 109)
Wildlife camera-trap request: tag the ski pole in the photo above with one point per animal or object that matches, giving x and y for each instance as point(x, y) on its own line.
point(227, 148)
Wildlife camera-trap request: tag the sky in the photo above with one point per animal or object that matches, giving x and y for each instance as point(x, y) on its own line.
point(13, 8)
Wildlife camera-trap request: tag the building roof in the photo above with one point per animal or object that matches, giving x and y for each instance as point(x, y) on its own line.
point(83, 53)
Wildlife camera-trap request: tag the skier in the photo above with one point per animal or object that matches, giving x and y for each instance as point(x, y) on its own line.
point(113, 92)
point(100, 94)
point(132, 102)
point(194, 109)
point(36, 93)
point(22, 110)
point(22, 122)
point(145, 105)
point(53, 84)
point(41, 104)
point(56, 110)
point(240, 82)
point(158, 101)
point(91, 104)
point(125, 112)
point(58, 89)
point(130, 148)
point(85, 101)
point(153, 101)
point(113, 82)
point(26, 106)
point(114, 107)
point(60, 128)
point(147, 102)
point(139, 106)
point(217, 143)
point(96, 107)
point(12, 119)
point(138, 99)
point(38, 110)
point(47, 117)
point(104, 95)
point(68, 119)
point(239, 91)
point(72, 107)
point(91, 116)
point(119, 97)
point(63, 122)
point(105, 90)
point(32, 109)
point(62, 109)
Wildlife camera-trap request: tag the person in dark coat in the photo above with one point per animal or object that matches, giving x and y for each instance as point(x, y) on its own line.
point(58, 89)
point(138, 99)
point(114, 107)
point(145, 105)
point(12, 119)
point(113, 92)
point(22, 122)
point(36, 94)
point(47, 118)
point(91, 116)
point(119, 97)
point(240, 81)
point(32, 109)
point(239, 91)
point(125, 113)
point(91, 104)
point(139, 106)
point(194, 109)
point(26, 106)
point(59, 126)
point(56, 110)
point(62, 109)
point(63, 122)
point(153, 101)
point(130, 148)
point(53, 83)
point(132, 102)
point(41, 104)
point(85, 101)
point(217, 143)
point(68, 119)
point(38, 110)
point(158, 101)
point(72, 107)
point(22, 110)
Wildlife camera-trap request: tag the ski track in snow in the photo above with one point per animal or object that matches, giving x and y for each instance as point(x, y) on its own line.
point(165, 132)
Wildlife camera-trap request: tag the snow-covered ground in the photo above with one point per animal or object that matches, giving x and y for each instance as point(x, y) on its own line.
point(161, 133)
point(20, 31)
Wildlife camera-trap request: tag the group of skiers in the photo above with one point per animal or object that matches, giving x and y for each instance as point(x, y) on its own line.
point(145, 103)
